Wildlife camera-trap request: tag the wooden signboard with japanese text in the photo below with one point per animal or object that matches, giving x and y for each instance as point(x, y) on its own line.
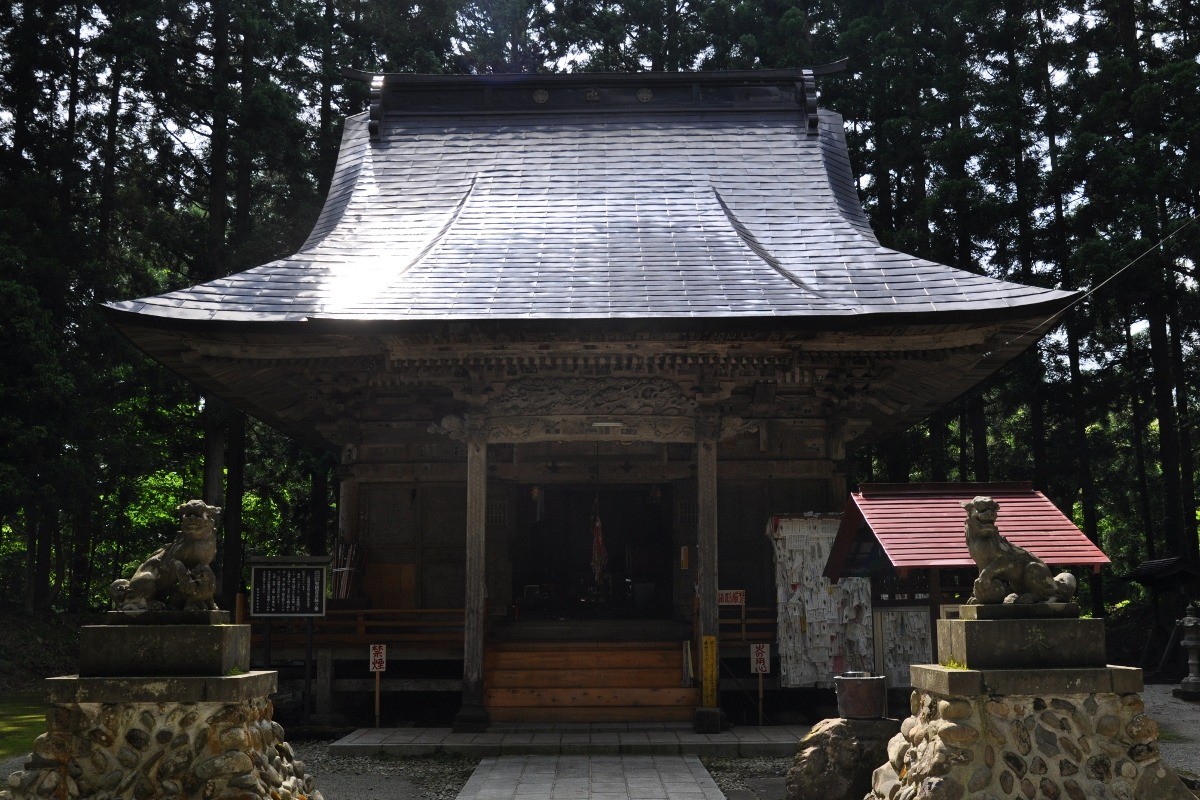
point(287, 590)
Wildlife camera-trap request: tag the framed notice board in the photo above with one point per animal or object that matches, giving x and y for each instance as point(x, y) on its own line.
point(288, 587)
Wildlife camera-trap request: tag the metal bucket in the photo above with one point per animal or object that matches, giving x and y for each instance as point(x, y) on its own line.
point(861, 695)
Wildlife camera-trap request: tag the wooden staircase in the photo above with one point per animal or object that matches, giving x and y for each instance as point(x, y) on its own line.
point(587, 682)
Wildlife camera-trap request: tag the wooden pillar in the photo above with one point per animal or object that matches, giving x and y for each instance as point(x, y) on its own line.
point(347, 507)
point(347, 504)
point(472, 716)
point(839, 492)
point(324, 691)
point(708, 717)
point(935, 609)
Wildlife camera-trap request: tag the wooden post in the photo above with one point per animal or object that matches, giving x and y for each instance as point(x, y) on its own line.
point(760, 699)
point(472, 716)
point(308, 668)
point(377, 661)
point(706, 566)
point(347, 507)
point(839, 492)
point(935, 609)
point(324, 681)
point(706, 538)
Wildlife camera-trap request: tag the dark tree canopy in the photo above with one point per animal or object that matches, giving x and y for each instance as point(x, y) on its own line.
point(146, 146)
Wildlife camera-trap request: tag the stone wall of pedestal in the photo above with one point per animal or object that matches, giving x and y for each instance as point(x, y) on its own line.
point(201, 736)
point(230, 750)
point(1074, 734)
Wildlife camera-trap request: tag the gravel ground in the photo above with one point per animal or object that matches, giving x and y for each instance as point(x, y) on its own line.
point(1179, 728)
point(382, 777)
point(749, 778)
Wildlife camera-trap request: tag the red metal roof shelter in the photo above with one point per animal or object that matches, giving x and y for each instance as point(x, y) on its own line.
point(920, 525)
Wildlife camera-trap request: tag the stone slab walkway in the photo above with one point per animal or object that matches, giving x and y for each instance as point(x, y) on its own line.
point(645, 739)
point(600, 777)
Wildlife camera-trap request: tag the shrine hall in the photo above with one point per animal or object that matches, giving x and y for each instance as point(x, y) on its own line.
point(578, 339)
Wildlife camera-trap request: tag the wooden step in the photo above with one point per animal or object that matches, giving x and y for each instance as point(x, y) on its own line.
point(582, 646)
point(600, 676)
point(573, 660)
point(545, 697)
point(587, 682)
point(596, 714)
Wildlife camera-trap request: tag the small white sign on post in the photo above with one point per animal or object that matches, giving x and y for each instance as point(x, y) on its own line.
point(760, 659)
point(378, 658)
point(378, 662)
point(760, 664)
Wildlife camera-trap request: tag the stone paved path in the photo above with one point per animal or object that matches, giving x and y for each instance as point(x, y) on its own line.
point(605, 777)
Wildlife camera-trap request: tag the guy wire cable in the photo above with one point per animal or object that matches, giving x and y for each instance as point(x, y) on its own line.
point(1094, 289)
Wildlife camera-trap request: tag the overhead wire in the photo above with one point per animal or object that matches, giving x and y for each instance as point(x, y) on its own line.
point(1100, 285)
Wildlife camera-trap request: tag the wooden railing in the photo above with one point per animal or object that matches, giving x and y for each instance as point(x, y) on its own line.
point(411, 626)
point(738, 623)
point(747, 624)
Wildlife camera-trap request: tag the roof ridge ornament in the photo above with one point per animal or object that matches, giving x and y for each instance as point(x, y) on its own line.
point(375, 123)
point(806, 94)
point(806, 90)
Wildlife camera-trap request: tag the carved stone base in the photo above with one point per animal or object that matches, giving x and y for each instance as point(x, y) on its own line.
point(109, 738)
point(1012, 643)
point(150, 649)
point(1020, 611)
point(1088, 743)
point(1183, 693)
point(166, 617)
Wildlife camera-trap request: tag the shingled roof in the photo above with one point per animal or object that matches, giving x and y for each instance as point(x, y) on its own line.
point(920, 525)
point(578, 197)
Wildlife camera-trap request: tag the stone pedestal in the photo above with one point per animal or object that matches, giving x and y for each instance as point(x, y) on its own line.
point(1018, 643)
point(1012, 712)
point(161, 650)
point(162, 710)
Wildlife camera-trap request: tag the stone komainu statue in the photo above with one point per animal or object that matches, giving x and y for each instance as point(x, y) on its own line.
point(1007, 573)
point(177, 577)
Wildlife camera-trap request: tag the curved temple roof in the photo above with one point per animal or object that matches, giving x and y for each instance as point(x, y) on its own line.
point(593, 197)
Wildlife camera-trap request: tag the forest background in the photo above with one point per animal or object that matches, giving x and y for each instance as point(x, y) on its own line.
point(147, 145)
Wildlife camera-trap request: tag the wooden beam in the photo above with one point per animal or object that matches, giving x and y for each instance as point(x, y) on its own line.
point(557, 471)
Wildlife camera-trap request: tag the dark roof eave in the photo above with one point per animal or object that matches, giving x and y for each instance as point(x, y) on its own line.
point(1048, 310)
